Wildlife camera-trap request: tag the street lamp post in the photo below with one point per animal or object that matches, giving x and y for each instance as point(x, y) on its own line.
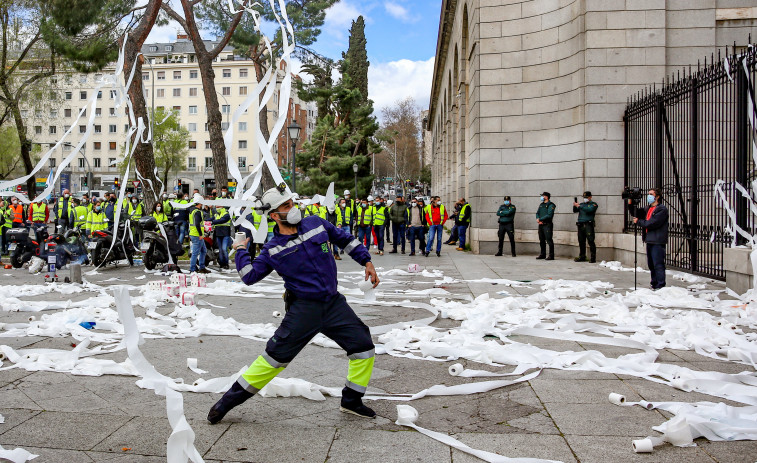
point(294, 134)
point(354, 169)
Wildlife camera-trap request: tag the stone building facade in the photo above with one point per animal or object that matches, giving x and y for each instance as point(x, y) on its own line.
point(529, 96)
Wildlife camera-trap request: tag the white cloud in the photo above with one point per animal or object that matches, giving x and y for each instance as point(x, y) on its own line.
point(339, 19)
point(396, 80)
point(399, 12)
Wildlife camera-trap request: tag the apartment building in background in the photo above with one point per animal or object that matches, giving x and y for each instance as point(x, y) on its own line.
point(171, 80)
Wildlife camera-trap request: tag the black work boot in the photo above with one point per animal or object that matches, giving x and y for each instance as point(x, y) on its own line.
point(352, 403)
point(233, 397)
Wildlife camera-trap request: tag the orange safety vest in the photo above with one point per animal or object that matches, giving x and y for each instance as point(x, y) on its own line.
point(18, 213)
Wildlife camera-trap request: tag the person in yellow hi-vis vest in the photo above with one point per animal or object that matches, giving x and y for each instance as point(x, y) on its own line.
point(380, 212)
point(96, 219)
point(81, 214)
point(364, 222)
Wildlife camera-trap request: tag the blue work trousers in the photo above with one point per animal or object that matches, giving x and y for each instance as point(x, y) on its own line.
point(182, 229)
point(435, 230)
point(379, 230)
point(364, 232)
point(398, 236)
point(461, 230)
point(656, 264)
point(223, 243)
point(199, 251)
point(416, 233)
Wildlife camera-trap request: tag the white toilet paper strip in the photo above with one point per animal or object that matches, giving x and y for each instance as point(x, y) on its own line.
point(17, 455)
point(407, 416)
point(192, 365)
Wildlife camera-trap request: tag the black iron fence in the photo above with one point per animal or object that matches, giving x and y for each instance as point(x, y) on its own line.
point(686, 136)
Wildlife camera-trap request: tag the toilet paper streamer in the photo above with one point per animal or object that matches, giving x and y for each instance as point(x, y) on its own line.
point(192, 365)
point(407, 416)
point(456, 369)
point(17, 455)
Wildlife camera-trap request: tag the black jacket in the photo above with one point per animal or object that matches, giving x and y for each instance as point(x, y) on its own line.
point(654, 230)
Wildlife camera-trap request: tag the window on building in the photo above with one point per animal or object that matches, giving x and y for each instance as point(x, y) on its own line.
point(83, 79)
point(83, 112)
point(66, 127)
point(82, 128)
point(160, 108)
point(96, 162)
point(145, 76)
point(226, 109)
point(112, 128)
point(224, 126)
point(225, 91)
point(206, 126)
point(112, 111)
point(193, 91)
point(83, 95)
point(193, 110)
point(242, 144)
point(38, 114)
point(191, 163)
point(98, 111)
point(177, 109)
point(98, 128)
point(207, 145)
point(24, 113)
point(161, 75)
point(227, 72)
point(53, 95)
point(243, 126)
point(66, 147)
point(193, 74)
point(242, 162)
point(208, 162)
point(113, 94)
point(126, 128)
point(160, 93)
point(169, 48)
point(111, 162)
point(177, 92)
point(192, 127)
point(82, 163)
point(53, 130)
point(153, 48)
point(243, 90)
point(99, 95)
point(243, 72)
point(176, 75)
point(98, 145)
point(192, 144)
point(67, 112)
point(37, 130)
point(112, 145)
point(229, 57)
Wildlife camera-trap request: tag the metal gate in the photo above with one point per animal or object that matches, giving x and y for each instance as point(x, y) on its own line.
point(685, 137)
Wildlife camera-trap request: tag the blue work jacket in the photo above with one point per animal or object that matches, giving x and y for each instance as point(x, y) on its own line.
point(303, 260)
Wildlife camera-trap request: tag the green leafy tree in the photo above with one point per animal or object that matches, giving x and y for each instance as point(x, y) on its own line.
point(355, 60)
point(171, 142)
point(10, 161)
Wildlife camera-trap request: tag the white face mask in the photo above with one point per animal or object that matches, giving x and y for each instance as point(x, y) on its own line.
point(294, 216)
point(65, 195)
point(586, 200)
point(157, 209)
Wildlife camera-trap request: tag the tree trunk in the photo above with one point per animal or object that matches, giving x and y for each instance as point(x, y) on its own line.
point(266, 181)
point(26, 150)
point(220, 167)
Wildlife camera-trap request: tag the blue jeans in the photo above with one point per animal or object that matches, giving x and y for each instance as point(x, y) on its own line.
point(364, 232)
point(223, 243)
point(416, 233)
point(346, 228)
point(434, 230)
point(379, 229)
point(656, 264)
point(181, 230)
point(461, 230)
point(199, 251)
point(398, 235)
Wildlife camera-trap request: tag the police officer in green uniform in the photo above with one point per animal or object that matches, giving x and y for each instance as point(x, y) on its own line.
point(585, 224)
point(544, 216)
point(506, 214)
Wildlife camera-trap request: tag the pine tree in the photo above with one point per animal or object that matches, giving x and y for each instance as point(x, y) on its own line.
point(355, 60)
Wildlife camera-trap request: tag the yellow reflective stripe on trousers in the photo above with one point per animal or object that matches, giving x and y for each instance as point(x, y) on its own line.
point(259, 374)
point(359, 374)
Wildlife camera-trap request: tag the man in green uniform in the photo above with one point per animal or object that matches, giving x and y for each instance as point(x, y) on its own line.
point(585, 224)
point(544, 216)
point(506, 214)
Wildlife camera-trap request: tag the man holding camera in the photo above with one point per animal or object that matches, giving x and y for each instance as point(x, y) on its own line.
point(654, 232)
point(585, 224)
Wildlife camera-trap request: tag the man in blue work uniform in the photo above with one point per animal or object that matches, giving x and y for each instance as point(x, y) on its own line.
point(299, 253)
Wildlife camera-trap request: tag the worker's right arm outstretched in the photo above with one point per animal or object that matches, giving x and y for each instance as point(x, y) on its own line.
point(252, 271)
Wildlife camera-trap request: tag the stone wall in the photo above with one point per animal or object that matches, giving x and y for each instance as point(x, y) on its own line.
point(532, 99)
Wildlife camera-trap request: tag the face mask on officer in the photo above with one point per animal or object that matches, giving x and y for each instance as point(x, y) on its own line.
point(292, 217)
point(586, 200)
point(650, 199)
point(65, 195)
point(364, 205)
point(542, 198)
point(97, 208)
point(414, 204)
point(507, 202)
point(342, 205)
point(134, 200)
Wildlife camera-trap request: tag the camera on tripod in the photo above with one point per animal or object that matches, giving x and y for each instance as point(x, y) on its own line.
point(634, 194)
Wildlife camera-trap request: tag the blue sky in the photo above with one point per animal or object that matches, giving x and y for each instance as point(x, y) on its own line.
point(401, 37)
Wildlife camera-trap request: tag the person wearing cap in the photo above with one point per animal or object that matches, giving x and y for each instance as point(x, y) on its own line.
point(586, 212)
point(196, 232)
point(299, 253)
point(544, 216)
point(506, 214)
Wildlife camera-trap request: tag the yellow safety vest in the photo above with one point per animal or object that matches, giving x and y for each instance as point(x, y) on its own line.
point(66, 213)
point(135, 212)
point(38, 212)
point(343, 216)
point(160, 217)
point(8, 214)
point(192, 229)
point(462, 212)
point(379, 215)
point(167, 208)
point(81, 214)
point(220, 212)
point(96, 221)
point(364, 216)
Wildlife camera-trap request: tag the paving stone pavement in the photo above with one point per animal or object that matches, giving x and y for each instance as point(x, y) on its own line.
point(558, 415)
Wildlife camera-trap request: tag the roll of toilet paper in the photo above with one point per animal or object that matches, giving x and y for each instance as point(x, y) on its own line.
point(413, 268)
point(643, 446)
point(32, 318)
point(2, 356)
point(647, 405)
point(456, 369)
point(617, 399)
point(365, 285)
point(276, 314)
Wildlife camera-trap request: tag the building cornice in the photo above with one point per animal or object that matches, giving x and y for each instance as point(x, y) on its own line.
point(446, 21)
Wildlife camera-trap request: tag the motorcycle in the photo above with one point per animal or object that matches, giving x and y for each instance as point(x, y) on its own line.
point(26, 243)
point(69, 247)
point(155, 246)
point(100, 246)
